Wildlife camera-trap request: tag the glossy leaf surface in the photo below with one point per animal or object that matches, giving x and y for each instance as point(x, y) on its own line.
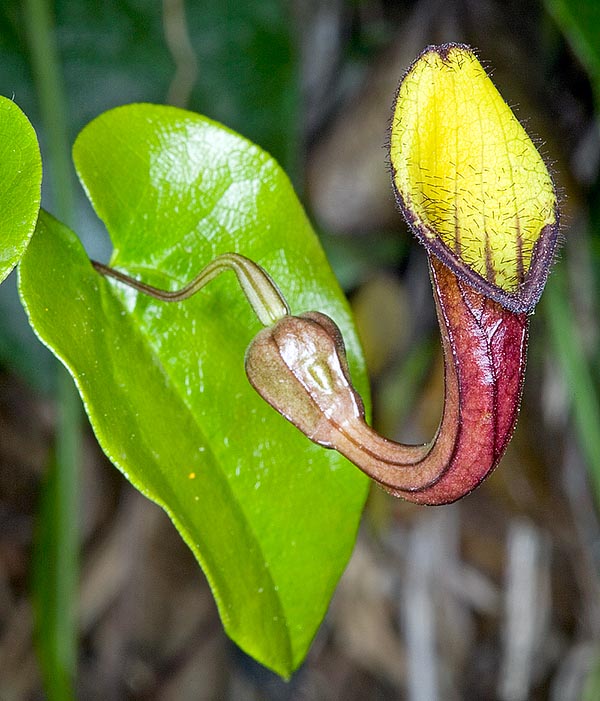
point(20, 184)
point(270, 517)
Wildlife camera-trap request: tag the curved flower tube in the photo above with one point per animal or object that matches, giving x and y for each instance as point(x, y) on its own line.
point(477, 194)
point(299, 367)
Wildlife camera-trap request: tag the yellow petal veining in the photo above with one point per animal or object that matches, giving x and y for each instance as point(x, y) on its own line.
point(466, 171)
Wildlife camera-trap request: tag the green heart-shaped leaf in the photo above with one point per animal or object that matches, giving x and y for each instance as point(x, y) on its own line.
point(20, 184)
point(270, 516)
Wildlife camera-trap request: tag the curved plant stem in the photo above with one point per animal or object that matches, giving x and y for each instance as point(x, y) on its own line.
point(56, 557)
point(263, 294)
point(299, 367)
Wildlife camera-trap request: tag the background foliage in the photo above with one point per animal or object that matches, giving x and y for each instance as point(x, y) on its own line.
point(494, 597)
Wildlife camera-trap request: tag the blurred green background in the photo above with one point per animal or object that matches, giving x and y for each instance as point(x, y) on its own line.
point(495, 597)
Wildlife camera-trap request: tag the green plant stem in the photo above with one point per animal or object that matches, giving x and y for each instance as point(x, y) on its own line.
point(46, 71)
point(261, 291)
point(576, 370)
point(57, 630)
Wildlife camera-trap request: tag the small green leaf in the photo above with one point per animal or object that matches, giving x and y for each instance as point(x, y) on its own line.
point(20, 184)
point(270, 516)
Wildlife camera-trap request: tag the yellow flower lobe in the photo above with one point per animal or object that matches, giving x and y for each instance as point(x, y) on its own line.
point(469, 179)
